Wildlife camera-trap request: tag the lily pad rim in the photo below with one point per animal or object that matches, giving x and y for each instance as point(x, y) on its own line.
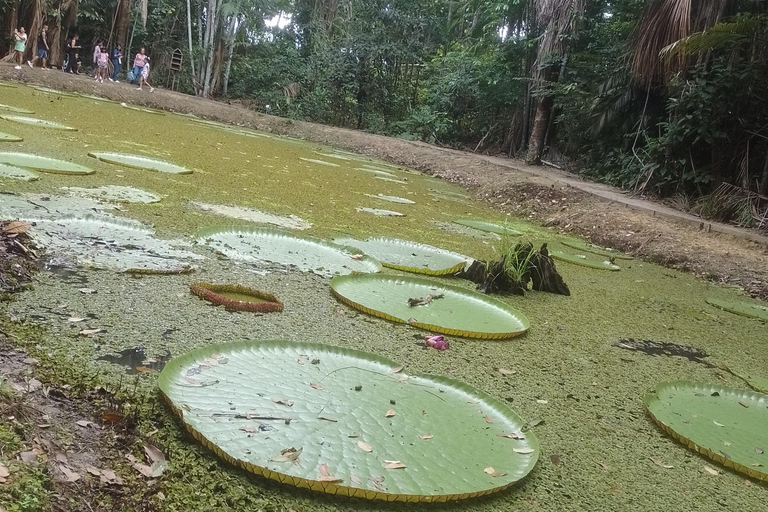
point(176, 365)
point(522, 318)
point(718, 303)
point(41, 123)
point(95, 154)
point(649, 399)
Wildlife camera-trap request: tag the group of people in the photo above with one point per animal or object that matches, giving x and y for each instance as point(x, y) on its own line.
point(73, 64)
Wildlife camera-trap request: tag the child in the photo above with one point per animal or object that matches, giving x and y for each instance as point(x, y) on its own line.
point(144, 76)
point(96, 53)
point(138, 64)
point(103, 58)
point(20, 38)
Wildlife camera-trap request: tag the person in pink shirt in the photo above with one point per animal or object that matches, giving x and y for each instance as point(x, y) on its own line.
point(138, 64)
point(103, 58)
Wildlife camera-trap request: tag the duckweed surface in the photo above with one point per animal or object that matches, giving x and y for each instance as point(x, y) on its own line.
point(597, 441)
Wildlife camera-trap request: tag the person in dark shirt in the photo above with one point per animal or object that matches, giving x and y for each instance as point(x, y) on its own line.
point(72, 55)
point(42, 48)
point(117, 59)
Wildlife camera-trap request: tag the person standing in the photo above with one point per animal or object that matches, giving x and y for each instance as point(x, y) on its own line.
point(145, 76)
point(42, 48)
point(72, 55)
point(103, 60)
point(138, 65)
point(117, 59)
point(20, 44)
point(96, 52)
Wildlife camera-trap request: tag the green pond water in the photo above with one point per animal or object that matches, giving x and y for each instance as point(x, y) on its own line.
point(597, 441)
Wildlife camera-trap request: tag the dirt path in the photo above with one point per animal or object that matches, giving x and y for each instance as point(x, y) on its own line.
point(602, 214)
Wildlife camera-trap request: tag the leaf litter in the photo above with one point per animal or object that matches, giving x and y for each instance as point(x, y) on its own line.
point(364, 446)
point(489, 470)
point(325, 475)
point(288, 455)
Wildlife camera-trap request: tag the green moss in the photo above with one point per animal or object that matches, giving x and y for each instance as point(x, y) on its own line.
point(26, 490)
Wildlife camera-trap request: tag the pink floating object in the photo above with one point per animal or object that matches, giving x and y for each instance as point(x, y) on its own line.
point(437, 342)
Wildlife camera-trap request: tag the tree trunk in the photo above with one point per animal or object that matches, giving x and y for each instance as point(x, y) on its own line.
point(123, 21)
point(539, 131)
point(212, 22)
point(230, 52)
point(11, 23)
point(763, 191)
point(189, 34)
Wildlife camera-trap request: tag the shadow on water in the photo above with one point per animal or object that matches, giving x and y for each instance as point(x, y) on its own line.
point(136, 360)
point(660, 348)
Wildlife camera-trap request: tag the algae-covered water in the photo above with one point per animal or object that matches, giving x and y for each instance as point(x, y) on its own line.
point(597, 441)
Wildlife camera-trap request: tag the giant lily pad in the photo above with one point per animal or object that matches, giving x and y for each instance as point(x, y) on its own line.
point(56, 92)
point(391, 199)
point(235, 297)
point(391, 180)
point(332, 426)
point(726, 424)
point(458, 311)
point(379, 212)
point(116, 193)
point(143, 109)
point(596, 249)
point(380, 172)
point(103, 242)
point(743, 308)
point(140, 162)
point(253, 215)
point(584, 261)
point(40, 123)
point(17, 173)
point(95, 98)
point(15, 110)
point(410, 256)
point(43, 163)
point(490, 227)
point(263, 245)
point(7, 137)
point(319, 162)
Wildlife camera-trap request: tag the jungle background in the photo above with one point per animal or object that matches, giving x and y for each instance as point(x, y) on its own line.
point(665, 98)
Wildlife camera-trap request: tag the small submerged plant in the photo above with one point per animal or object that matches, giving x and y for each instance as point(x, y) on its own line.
point(235, 297)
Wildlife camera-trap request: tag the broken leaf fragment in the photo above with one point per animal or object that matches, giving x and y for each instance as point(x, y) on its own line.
point(488, 419)
point(489, 470)
point(504, 371)
point(395, 464)
point(712, 471)
point(523, 451)
point(315, 386)
point(397, 369)
point(364, 446)
point(328, 418)
point(660, 464)
point(288, 455)
point(325, 475)
point(425, 436)
point(389, 413)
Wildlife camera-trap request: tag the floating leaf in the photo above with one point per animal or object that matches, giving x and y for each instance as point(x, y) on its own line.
point(489, 227)
point(523, 451)
point(426, 436)
point(271, 365)
point(493, 472)
point(460, 312)
point(409, 256)
point(365, 447)
point(584, 261)
point(396, 464)
point(42, 163)
point(396, 369)
point(40, 123)
point(712, 471)
point(749, 309)
point(7, 137)
point(17, 173)
point(690, 411)
point(389, 413)
point(315, 386)
point(115, 193)
point(260, 245)
point(660, 464)
point(140, 162)
point(504, 371)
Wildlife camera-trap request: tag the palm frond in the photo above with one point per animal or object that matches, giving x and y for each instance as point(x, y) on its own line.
point(662, 23)
point(722, 34)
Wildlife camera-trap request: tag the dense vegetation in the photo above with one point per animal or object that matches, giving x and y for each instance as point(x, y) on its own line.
point(665, 97)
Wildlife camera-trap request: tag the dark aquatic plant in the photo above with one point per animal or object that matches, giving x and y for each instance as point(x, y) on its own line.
point(263, 302)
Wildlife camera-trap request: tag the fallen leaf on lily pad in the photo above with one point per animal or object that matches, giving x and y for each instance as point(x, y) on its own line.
point(355, 479)
point(88, 332)
point(504, 371)
point(493, 472)
point(288, 455)
point(397, 369)
point(718, 423)
point(325, 475)
point(389, 413)
point(283, 401)
point(394, 465)
point(315, 386)
point(425, 436)
point(328, 418)
point(523, 451)
point(512, 435)
point(488, 419)
point(365, 447)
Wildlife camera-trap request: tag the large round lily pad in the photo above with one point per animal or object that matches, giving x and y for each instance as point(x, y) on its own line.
point(15, 110)
point(346, 422)
point(140, 162)
point(743, 308)
point(726, 424)
point(43, 163)
point(490, 227)
point(596, 249)
point(116, 193)
point(443, 308)
point(264, 245)
point(409, 256)
point(40, 123)
point(7, 137)
point(48, 90)
point(584, 261)
point(17, 173)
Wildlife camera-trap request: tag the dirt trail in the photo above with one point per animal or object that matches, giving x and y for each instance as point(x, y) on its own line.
point(600, 213)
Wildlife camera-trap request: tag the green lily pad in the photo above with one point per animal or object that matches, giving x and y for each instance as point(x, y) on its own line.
point(15, 110)
point(40, 123)
point(108, 243)
point(743, 308)
point(140, 162)
point(391, 180)
point(726, 424)
point(144, 109)
point(460, 312)
point(379, 172)
point(319, 162)
point(584, 261)
point(596, 249)
point(17, 173)
point(264, 245)
point(7, 137)
point(116, 193)
point(379, 212)
point(48, 90)
point(490, 227)
point(392, 199)
point(409, 256)
point(351, 424)
point(6, 84)
point(43, 163)
point(95, 98)
point(253, 215)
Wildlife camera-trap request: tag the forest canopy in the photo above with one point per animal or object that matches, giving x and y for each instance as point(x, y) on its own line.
point(661, 97)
